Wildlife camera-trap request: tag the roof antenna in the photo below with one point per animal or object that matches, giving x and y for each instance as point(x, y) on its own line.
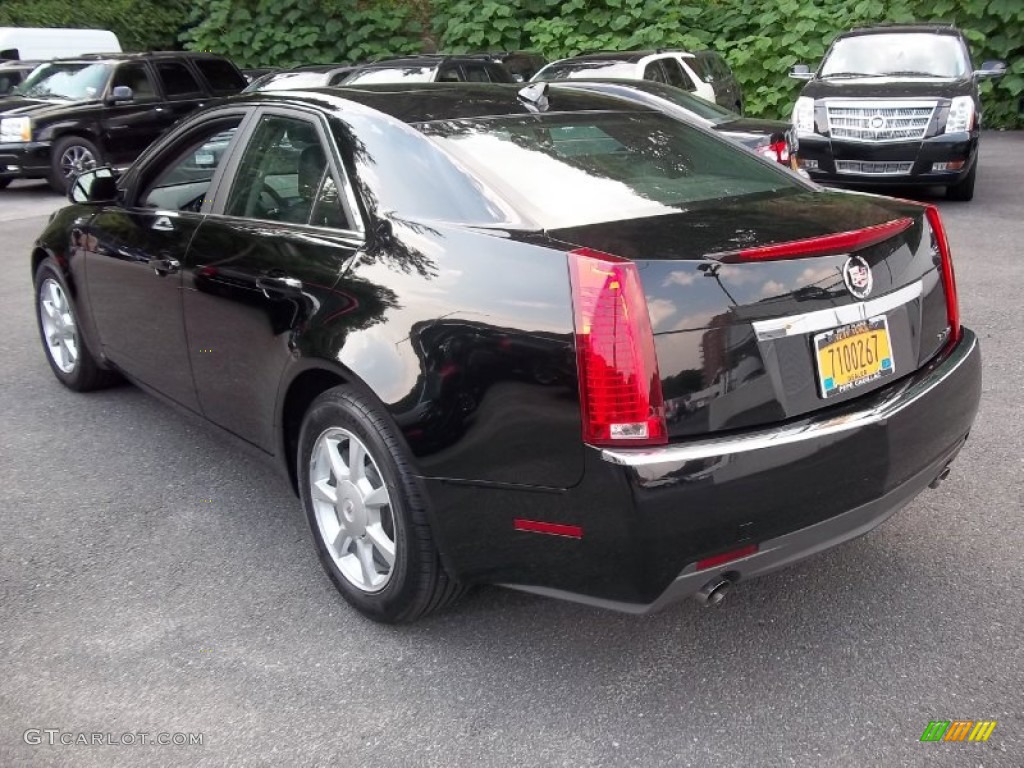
point(535, 97)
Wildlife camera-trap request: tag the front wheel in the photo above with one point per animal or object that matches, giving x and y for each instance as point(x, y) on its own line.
point(366, 511)
point(69, 157)
point(69, 357)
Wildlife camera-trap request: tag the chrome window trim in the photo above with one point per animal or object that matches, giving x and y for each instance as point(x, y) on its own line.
point(823, 319)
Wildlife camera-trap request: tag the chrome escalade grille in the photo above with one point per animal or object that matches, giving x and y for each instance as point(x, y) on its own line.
point(870, 168)
point(879, 121)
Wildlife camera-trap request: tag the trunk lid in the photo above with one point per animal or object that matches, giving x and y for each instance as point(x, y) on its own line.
point(735, 342)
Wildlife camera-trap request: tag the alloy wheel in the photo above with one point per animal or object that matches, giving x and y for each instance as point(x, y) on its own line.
point(58, 324)
point(353, 510)
point(76, 159)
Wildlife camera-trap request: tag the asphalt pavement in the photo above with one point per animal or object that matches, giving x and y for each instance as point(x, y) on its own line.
point(153, 579)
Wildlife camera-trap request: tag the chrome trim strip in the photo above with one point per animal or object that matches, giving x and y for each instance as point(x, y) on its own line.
point(833, 317)
point(902, 398)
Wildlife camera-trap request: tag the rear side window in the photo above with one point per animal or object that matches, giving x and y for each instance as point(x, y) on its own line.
point(583, 167)
point(177, 80)
point(221, 76)
point(654, 71)
point(676, 76)
point(449, 74)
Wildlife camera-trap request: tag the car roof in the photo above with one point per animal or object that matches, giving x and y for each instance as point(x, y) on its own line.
point(142, 55)
point(422, 59)
point(880, 29)
point(427, 102)
point(630, 56)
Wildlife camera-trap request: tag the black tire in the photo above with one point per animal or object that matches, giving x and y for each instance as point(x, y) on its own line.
point(59, 179)
point(4, 183)
point(963, 190)
point(417, 583)
point(85, 373)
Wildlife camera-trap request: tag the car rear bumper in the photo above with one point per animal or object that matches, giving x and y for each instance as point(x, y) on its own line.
point(30, 160)
point(899, 163)
point(646, 517)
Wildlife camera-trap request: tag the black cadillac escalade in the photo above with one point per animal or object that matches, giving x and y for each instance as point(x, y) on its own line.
point(893, 104)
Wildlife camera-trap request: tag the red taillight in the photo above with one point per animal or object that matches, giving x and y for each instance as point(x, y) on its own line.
point(941, 244)
point(776, 150)
point(620, 389)
point(824, 245)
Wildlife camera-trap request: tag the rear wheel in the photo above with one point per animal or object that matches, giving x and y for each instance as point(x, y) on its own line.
point(366, 511)
point(69, 357)
point(69, 157)
point(964, 189)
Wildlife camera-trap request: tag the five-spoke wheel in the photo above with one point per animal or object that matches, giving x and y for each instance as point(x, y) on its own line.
point(58, 324)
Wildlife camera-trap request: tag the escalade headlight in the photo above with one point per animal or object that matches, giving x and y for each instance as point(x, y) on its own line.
point(961, 115)
point(803, 116)
point(15, 129)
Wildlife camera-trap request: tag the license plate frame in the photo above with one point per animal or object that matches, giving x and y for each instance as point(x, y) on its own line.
point(843, 370)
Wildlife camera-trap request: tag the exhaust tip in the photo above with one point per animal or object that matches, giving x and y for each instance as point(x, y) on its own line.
point(713, 593)
point(940, 477)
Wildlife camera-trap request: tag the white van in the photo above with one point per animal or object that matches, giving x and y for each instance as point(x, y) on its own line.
point(54, 43)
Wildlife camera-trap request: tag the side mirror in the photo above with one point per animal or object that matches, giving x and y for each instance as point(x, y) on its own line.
point(993, 68)
point(97, 185)
point(120, 94)
point(801, 72)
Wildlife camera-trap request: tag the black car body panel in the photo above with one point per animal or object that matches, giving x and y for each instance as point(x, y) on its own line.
point(465, 336)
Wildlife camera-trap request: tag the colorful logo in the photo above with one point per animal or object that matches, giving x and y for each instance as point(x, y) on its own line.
point(857, 276)
point(958, 730)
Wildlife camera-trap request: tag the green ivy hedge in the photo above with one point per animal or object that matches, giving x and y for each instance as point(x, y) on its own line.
point(761, 41)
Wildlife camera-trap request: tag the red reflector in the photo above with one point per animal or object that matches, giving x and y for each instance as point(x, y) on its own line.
point(948, 275)
point(824, 245)
point(620, 388)
point(726, 557)
point(553, 529)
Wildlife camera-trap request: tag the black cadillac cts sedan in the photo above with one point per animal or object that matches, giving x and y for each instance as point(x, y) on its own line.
point(537, 337)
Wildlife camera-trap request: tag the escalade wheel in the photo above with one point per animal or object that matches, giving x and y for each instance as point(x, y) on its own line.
point(366, 512)
point(69, 157)
point(72, 363)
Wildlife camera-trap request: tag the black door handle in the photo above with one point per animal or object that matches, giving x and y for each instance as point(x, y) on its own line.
point(164, 267)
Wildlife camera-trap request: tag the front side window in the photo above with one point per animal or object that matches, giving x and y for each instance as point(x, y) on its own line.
point(180, 181)
point(72, 82)
point(136, 77)
point(476, 73)
point(585, 167)
point(283, 176)
point(921, 54)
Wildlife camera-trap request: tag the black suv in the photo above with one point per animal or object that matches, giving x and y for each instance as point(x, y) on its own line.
point(102, 109)
point(432, 68)
point(893, 104)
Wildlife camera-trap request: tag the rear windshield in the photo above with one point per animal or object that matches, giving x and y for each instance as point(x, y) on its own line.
point(909, 54)
point(285, 81)
point(573, 70)
point(414, 74)
point(583, 167)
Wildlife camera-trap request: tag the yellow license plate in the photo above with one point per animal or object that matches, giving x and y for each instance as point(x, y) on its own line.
point(853, 356)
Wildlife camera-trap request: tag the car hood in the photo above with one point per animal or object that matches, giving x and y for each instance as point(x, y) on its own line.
point(15, 106)
point(887, 88)
point(751, 131)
